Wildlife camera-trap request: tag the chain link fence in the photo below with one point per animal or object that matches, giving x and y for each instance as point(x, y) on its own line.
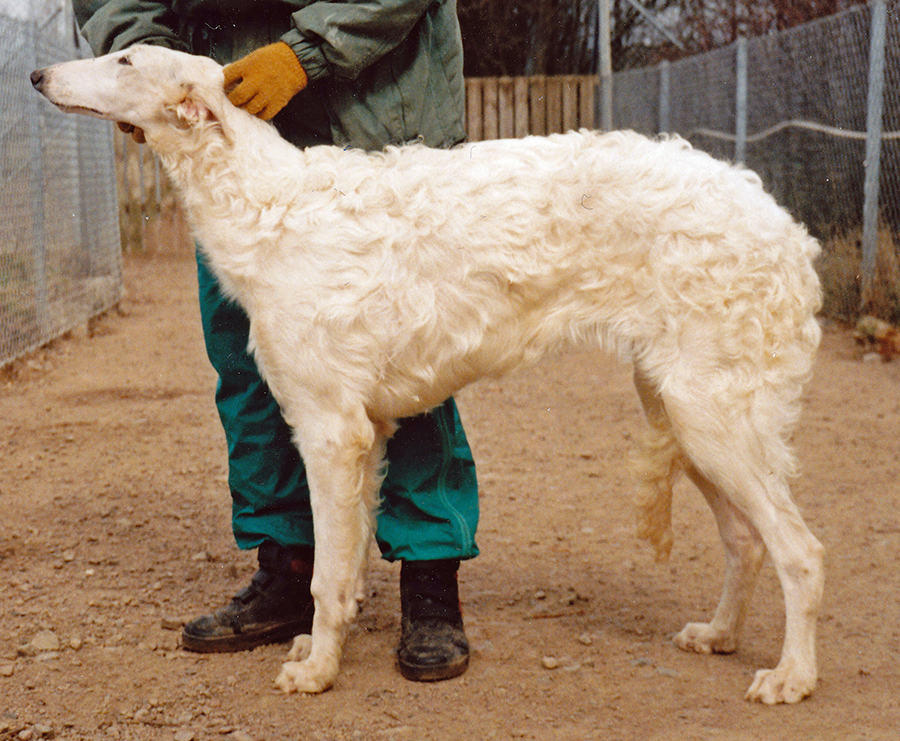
point(60, 257)
point(803, 129)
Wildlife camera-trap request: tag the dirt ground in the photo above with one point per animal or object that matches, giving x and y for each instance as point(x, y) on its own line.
point(115, 530)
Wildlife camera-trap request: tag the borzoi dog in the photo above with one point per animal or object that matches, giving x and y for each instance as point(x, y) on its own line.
point(377, 285)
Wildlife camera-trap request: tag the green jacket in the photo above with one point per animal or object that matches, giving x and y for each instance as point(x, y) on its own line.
point(380, 71)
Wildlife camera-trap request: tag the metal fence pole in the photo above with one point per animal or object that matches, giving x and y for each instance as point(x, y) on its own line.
point(740, 102)
point(664, 97)
point(38, 232)
point(874, 123)
point(604, 32)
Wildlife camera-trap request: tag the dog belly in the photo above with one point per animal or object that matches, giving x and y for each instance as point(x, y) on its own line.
point(425, 375)
point(399, 400)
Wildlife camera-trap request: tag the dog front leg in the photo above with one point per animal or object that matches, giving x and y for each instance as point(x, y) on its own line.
point(342, 471)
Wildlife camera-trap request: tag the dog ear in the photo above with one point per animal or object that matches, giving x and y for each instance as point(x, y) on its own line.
point(192, 113)
point(192, 110)
point(199, 105)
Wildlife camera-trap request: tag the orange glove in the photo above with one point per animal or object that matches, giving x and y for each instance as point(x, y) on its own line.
point(265, 80)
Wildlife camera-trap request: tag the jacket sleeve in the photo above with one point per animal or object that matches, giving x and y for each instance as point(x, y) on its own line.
point(344, 38)
point(112, 25)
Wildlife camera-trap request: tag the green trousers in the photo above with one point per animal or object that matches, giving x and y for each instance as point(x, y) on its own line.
point(429, 500)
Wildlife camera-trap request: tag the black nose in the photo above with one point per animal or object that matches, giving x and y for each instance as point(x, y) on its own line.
point(37, 78)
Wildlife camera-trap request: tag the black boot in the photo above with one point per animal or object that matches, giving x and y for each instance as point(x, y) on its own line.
point(433, 644)
point(274, 608)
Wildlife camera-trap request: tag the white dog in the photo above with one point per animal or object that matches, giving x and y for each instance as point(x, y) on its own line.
point(377, 285)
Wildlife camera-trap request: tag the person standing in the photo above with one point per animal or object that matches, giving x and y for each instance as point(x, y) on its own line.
point(353, 74)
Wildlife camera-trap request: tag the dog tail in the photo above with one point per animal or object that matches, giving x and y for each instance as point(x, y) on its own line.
point(657, 466)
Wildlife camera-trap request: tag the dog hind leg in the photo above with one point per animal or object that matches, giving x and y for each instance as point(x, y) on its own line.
point(736, 466)
point(798, 558)
point(657, 466)
point(744, 553)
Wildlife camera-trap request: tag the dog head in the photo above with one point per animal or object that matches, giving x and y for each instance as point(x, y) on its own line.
point(150, 87)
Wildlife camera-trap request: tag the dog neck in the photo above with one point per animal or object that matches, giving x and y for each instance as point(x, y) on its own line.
point(224, 171)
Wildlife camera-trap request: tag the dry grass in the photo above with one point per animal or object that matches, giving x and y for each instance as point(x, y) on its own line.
point(839, 268)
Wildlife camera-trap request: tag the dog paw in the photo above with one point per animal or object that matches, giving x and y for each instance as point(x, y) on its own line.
point(702, 638)
point(780, 685)
point(302, 676)
point(301, 648)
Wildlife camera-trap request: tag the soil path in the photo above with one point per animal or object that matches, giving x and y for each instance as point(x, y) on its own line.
point(116, 529)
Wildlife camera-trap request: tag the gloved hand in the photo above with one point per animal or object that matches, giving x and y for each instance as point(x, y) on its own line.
point(265, 80)
point(136, 133)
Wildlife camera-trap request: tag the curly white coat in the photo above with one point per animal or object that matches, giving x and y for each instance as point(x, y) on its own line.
point(379, 284)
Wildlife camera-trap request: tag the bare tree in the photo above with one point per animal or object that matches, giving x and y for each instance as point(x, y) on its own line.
point(560, 36)
point(707, 24)
point(543, 36)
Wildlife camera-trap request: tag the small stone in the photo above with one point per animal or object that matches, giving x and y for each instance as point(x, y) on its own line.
point(7, 670)
point(184, 735)
point(170, 622)
point(75, 643)
point(550, 662)
point(44, 640)
point(239, 736)
point(585, 639)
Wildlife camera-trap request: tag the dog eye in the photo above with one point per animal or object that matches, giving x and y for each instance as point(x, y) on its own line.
point(125, 60)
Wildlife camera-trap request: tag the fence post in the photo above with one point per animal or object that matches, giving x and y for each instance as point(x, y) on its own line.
point(38, 233)
point(664, 97)
point(521, 103)
point(490, 99)
point(506, 122)
point(473, 109)
point(740, 102)
point(874, 123)
point(604, 33)
point(537, 96)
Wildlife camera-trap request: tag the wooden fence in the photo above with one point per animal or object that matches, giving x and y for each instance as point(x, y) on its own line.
point(513, 107)
point(496, 108)
point(150, 219)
